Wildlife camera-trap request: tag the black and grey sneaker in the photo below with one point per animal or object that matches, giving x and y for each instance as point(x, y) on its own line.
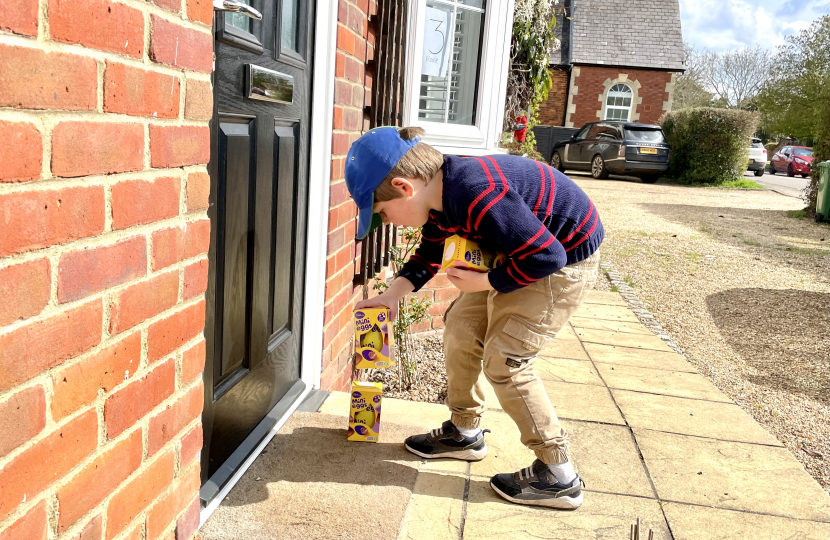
point(537, 486)
point(448, 442)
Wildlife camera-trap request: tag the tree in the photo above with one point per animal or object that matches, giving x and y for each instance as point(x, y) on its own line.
point(798, 85)
point(735, 77)
point(688, 88)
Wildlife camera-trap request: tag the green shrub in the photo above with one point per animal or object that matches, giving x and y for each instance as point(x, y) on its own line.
point(771, 147)
point(709, 146)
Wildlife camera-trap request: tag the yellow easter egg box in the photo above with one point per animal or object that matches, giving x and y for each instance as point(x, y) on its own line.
point(373, 338)
point(364, 416)
point(464, 253)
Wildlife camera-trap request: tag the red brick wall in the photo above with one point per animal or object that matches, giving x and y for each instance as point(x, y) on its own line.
point(590, 81)
point(103, 266)
point(352, 91)
point(552, 110)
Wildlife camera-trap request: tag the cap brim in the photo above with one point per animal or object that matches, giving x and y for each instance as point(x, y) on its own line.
point(367, 220)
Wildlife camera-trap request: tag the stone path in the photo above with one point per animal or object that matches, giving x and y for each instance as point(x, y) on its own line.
point(652, 438)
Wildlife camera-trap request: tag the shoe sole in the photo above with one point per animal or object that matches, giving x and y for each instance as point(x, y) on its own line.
point(464, 455)
point(561, 503)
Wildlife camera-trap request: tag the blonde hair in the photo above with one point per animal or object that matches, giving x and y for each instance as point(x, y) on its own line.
point(421, 161)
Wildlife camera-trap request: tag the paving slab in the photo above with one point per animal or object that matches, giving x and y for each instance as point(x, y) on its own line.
point(567, 333)
point(690, 522)
point(564, 348)
point(685, 416)
point(611, 313)
point(627, 356)
point(572, 401)
point(435, 508)
point(567, 370)
point(623, 339)
point(612, 326)
point(730, 475)
point(602, 517)
point(659, 381)
point(605, 297)
point(312, 483)
point(605, 456)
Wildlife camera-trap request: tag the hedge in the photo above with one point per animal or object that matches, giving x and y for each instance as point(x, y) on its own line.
point(709, 146)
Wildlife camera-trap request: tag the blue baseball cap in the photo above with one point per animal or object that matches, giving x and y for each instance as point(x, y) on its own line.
point(370, 159)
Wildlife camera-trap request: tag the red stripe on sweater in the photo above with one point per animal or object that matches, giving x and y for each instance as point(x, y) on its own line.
point(517, 280)
point(587, 235)
point(525, 276)
point(541, 189)
point(532, 239)
point(538, 249)
point(584, 221)
point(498, 197)
point(552, 191)
point(482, 194)
point(431, 268)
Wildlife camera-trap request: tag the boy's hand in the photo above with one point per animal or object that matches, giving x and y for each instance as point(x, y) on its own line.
point(382, 300)
point(469, 280)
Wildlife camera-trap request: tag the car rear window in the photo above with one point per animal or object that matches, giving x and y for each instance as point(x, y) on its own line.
point(806, 152)
point(644, 135)
point(757, 144)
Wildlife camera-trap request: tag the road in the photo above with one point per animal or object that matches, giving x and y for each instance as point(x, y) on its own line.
point(781, 183)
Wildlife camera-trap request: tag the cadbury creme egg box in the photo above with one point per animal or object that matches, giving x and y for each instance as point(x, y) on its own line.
point(465, 253)
point(373, 338)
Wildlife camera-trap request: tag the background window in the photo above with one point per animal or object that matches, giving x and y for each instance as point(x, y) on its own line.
point(450, 63)
point(618, 102)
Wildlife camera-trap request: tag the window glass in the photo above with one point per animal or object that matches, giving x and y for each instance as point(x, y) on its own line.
point(618, 102)
point(239, 20)
point(595, 131)
point(645, 135)
point(451, 59)
point(806, 152)
point(581, 135)
point(608, 132)
point(288, 26)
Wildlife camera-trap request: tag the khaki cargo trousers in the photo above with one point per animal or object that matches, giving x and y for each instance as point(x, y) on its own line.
point(501, 334)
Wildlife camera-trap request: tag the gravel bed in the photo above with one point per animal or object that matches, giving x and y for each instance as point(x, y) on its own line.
point(743, 289)
point(431, 382)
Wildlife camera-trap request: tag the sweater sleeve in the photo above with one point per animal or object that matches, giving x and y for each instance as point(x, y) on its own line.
point(426, 261)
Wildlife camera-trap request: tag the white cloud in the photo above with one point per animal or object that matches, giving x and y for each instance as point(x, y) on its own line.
point(730, 24)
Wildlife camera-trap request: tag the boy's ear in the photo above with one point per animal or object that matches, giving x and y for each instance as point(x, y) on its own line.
point(405, 185)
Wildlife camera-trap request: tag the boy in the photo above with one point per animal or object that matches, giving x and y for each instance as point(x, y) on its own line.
point(551, 233)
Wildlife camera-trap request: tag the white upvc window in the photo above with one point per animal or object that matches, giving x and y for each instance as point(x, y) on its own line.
point(618, 102)
point(457, 72)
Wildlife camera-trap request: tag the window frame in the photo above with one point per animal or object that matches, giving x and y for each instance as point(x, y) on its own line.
point(484, 136)
point(607, 108)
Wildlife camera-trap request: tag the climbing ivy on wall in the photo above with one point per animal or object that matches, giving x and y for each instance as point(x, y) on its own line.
point(529, 78)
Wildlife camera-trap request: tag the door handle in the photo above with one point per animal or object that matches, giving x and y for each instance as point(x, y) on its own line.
point(237, 7)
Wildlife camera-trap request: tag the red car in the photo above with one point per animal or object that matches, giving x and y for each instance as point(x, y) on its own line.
point(793, 160)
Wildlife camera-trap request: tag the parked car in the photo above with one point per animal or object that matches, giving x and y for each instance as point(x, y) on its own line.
point(793, 160)
point(615, 148)
point(757, 157)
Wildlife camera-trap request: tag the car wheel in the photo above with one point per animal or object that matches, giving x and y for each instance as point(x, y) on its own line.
point(556, 162)
point(772, 169)
point(598, 169)
point(650, 179)
point(804, 175)
point(790, 171)
point(759, 172)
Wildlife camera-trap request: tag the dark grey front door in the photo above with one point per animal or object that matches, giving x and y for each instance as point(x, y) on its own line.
point(258, 170)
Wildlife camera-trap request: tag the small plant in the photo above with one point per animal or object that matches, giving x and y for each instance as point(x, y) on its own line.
point(630, 281)
point(752, 243)
point(742, 183)
point(691, 256)
point(614, 288)
point(797, 214)
point(411, 311)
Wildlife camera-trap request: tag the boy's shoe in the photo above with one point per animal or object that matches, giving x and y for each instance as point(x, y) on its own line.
point(448, 442)
point(537, 486)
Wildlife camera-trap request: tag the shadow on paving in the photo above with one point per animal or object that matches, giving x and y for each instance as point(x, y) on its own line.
point(767, 233)
point(781, 333)
point(311, 482)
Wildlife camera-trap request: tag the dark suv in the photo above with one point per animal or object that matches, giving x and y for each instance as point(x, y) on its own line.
point(615, 148)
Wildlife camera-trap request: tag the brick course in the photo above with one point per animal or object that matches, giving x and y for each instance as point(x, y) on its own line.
point(103, 243)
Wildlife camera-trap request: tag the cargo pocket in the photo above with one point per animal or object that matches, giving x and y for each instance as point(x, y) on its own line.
point(531, 338)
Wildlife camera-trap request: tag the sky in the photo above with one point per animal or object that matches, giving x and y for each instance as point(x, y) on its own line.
point(721, 25)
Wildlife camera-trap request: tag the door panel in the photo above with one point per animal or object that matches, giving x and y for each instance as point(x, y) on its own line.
point(258, 169)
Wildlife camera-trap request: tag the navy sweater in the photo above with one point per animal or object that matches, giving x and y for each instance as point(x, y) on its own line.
point(508, 204)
